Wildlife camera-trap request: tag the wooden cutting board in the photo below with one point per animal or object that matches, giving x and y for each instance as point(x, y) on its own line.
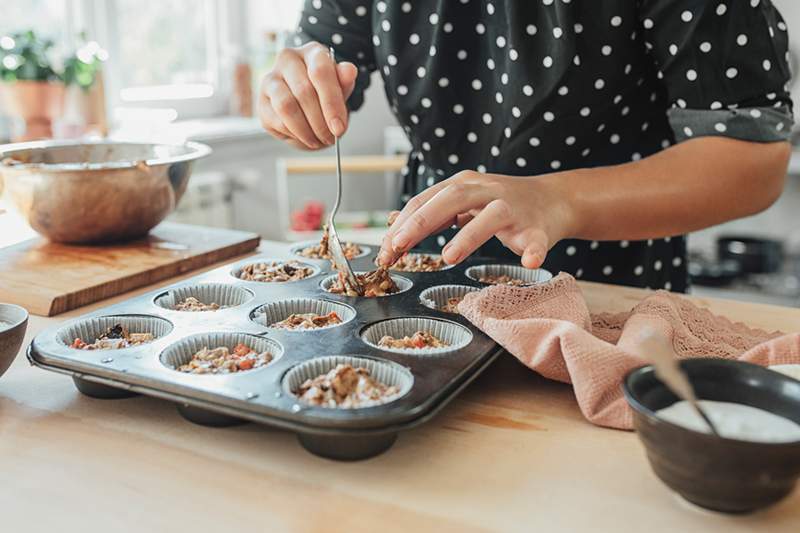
point(49, 278)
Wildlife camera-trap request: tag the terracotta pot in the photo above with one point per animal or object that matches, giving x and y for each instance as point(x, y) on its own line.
point(35, 102)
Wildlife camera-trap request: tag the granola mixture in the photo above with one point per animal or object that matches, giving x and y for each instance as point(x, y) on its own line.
point(115, 337)
point(372, 284)
point(451, 306)
point(193, 304)
point(307, 321)
point(275, 271)
point(345, 387)
point(419, 263)
point(321, 250)
point(420, 339)
point(225, 361)
point(505, 279)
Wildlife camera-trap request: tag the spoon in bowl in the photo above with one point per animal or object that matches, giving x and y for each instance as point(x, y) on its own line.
point(669, 371)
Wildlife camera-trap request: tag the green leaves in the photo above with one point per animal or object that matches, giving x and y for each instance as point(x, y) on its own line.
point(25, 56)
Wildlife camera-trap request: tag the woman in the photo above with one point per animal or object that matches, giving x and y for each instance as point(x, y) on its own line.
point(588, 137)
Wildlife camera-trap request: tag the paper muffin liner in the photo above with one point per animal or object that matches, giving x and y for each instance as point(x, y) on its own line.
point(365, 250)
point(402, 283)
point(273, 312)
point(237, 272)
point(90, 329)
point(415, 254)
point(455, 335)
point(528, 275)
point(436, 297)
point(181, 352)
point(385, 372)
point(220, 293)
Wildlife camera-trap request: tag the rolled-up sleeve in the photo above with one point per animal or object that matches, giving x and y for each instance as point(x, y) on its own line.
point(725, 66)
point(347, 27)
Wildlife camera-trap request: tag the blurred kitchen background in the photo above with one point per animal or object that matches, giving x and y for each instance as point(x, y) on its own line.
point(189, 69)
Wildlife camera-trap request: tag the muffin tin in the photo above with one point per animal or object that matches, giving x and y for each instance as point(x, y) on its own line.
point(429, 380)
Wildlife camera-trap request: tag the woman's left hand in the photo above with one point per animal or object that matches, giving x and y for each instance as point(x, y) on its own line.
point(528, 214)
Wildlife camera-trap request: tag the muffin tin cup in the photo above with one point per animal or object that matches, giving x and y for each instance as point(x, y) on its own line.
point(386, 372)
point(237, 272)
point(271, 313)
point(414, 254)
point(529, 276)
point(436, 297)
point(455, 335)
point(403, 284)
point(220, 293)
point(182, 351)
point(90, 329)
point(296, 249)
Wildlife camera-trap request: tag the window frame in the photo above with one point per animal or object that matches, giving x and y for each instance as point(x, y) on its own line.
point(226, 31)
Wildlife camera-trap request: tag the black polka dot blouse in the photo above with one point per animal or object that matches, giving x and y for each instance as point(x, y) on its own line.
point(533, 86)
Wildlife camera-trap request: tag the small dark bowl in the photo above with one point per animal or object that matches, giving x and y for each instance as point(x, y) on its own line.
point(726, 475)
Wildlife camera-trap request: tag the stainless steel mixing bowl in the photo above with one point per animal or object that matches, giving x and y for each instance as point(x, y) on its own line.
point(95, 192)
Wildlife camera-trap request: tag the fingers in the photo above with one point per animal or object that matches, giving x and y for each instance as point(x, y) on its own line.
point(289, 112)
point(298, 80)
point(304, 97)
point(323, 75)
point(439, 211)
point(491, 219)
point(535, 249)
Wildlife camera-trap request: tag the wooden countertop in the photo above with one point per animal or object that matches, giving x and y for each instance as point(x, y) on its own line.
point(512, 453)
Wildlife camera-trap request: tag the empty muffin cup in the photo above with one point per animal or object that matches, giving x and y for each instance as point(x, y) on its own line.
point(222, 294)
point(91, 329)
point(439, 297)
point(420, 263)
point(272, 313)
point(455, 336)
point(298, 249)
point(517, 275)
point(385, 372)
point(275, 271)
point(403, 284)
point(181, 352)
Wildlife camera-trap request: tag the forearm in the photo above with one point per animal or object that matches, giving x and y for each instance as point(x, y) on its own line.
point(690, 186)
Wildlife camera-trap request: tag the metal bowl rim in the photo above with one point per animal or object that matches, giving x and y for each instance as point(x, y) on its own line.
point(196, 151)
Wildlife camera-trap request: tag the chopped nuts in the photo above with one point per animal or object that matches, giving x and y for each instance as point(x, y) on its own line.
point(194, 305)
point(275, 271)
point(420, 339)
point(419, 263)
point(114, 338)
point(222, 360)
point(375, 283)
point(308, 321)
point(346, 387)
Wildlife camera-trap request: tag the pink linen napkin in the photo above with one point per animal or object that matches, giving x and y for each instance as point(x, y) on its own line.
point(549, 328)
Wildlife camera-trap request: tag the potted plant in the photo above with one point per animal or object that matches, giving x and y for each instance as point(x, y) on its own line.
point(85, 95)
point(30, 89)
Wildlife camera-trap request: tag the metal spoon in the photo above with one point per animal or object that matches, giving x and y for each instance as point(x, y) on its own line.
point(338, 258)
point(671, 374)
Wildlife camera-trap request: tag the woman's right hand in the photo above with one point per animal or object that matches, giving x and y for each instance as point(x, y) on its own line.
point(302, 100)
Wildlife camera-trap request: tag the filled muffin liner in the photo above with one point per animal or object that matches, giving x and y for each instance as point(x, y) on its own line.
point(403, 284)
point(436, 297)
point(90, 329)
point(220, 293)
point(237, 272)
point(528, 275)
point(386, 372)
point(455, 335)
point(269, 314)
point(415, 254)
point(365, 250)
point(181, 352)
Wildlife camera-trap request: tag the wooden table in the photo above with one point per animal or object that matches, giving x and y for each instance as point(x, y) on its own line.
point(513, 453)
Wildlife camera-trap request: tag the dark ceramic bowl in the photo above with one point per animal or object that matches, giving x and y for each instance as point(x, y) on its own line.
point(726, 475)
point(11, 335)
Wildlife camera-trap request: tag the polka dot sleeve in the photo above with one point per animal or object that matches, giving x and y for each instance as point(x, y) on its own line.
point(724, 64)
point(346, 26)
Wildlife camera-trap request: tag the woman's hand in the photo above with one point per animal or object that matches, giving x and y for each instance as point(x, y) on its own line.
point(302, 100)
point(528, 214)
